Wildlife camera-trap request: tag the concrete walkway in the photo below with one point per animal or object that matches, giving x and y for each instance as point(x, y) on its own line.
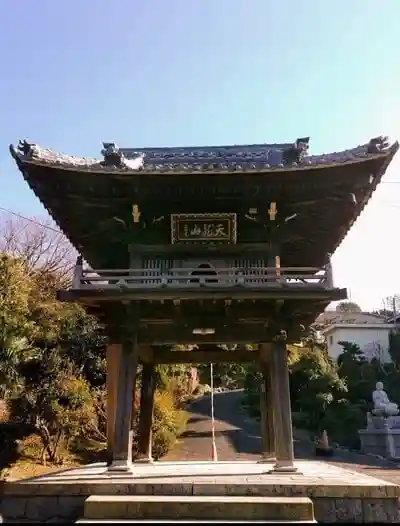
point(238, 438)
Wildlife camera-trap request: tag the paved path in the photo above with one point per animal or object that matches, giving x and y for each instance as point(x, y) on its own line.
point(238, 438)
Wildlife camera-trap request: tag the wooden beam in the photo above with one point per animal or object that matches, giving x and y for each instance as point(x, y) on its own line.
point(215, 293)
point(162, 250)
point(195, 356)
point(242, 334)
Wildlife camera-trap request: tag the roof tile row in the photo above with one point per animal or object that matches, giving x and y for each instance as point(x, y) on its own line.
point(264, 157)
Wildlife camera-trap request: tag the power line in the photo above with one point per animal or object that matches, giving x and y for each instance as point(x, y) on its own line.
point(30, 220)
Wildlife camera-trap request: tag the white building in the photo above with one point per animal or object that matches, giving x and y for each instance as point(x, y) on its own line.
point(373, 339)
point(369, 331)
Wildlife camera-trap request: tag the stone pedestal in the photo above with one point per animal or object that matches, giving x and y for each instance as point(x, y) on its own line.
point(382, 436)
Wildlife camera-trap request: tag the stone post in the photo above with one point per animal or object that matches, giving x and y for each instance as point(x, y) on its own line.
point(281, 407)
point(146, 412)
point(127, 371)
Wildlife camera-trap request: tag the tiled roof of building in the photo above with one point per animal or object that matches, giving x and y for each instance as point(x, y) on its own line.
point(209, 159)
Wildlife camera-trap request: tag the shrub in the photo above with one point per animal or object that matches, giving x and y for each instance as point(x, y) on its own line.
point(57, 404)
point(168, 423)
point(201, 389)
point(166, 416)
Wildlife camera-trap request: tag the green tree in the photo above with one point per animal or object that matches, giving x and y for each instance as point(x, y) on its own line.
point(15, 325)
point(394, 347)
point(56, 403)
point(348, 306)
point(52, 354)
point(315, 385)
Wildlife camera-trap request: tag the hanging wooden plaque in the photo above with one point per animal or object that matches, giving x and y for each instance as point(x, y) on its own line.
point(203, 228)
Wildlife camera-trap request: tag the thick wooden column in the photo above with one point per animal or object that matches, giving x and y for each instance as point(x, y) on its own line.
point(146, 412)
point(113, 357)
point(266, 407)
point(127, 371)
point(281, 407)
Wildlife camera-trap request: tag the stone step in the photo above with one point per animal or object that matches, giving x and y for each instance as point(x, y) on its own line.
point(206, 508)
point(133, 521)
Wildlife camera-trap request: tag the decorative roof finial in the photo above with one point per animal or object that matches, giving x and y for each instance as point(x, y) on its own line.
point(378, 144)
point(113, 158)
point(296, 153)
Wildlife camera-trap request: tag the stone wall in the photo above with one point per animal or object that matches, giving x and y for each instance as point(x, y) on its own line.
point(61, 503)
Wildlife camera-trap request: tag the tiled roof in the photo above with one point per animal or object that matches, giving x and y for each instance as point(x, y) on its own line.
point(208, 159)
point(329, 318)
point(255, 156)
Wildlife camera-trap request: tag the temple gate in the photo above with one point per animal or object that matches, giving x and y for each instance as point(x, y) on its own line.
point(204, 246)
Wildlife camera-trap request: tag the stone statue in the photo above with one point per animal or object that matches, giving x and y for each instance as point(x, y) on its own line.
point(382, 405)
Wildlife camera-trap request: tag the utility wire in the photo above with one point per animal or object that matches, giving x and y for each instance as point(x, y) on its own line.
point(31, 220)
point(393, 205)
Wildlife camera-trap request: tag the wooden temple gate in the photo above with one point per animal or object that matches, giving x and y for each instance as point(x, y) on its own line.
point(206, 246)
point(202, 315)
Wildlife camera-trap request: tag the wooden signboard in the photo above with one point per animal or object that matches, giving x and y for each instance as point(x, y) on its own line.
point(203, 228)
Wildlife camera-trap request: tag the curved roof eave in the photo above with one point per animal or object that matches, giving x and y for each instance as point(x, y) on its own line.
point(31, 154)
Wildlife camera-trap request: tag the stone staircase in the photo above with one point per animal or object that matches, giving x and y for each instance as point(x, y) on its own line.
point(166, 508)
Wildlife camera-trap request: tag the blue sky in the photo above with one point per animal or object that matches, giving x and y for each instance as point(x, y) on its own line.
point(200, 72)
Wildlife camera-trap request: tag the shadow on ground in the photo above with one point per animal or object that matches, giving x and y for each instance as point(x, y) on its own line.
point(244, 433)
point(10, 436)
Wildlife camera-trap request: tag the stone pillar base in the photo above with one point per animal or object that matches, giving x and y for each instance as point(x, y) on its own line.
point(120, 466)
point(284, 467)
point(144, 460)
point(266, 459)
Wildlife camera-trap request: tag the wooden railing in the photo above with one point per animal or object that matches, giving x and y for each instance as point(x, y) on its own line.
point(255, 277)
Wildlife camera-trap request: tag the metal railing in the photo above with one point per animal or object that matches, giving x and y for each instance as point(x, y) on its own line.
point(189, 278)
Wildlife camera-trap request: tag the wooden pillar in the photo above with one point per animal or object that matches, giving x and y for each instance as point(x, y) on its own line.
point(281, 407)
point(122, 447)
point(113, 357)
point(146, 412)
point(266, 407)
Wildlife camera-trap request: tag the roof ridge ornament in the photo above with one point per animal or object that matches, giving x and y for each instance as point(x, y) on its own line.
point(296, 153)
point(29, 150)
point(114, 158)
point(378, 144)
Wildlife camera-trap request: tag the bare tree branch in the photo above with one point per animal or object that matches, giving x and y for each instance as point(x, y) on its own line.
point(38, 243)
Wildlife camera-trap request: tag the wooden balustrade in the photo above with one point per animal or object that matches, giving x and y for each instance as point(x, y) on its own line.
point(189, 278)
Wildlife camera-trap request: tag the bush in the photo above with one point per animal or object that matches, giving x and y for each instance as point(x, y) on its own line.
point(168, 423)
point(56, 403)
point(163, 441)
point(201, 390)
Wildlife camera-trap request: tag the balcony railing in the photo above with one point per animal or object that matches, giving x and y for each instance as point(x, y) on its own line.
point(193, 278)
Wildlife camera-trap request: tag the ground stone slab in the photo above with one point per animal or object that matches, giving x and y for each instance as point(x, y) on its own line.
point(338, 495)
